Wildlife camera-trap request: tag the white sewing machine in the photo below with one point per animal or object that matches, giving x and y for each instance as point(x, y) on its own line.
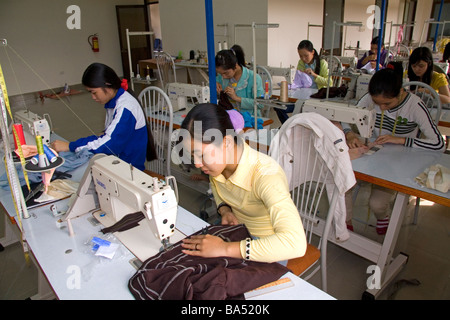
point(359, 85)
point(364, 119)
point(288, 73)
point(179, 92)
point(33, 125)
point(121, 189)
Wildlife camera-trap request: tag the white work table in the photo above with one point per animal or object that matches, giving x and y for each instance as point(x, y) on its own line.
point(74, 272)
point(394, 167)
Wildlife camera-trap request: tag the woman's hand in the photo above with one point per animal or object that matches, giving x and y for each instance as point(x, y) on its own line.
point(353, 140)
point(310, 72)
point(232, 94)
point(387, 138)
point(228, 218)
point(60, 146)
point(209, 246)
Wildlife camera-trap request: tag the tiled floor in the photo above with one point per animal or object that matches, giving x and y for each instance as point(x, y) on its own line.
point(426, 243)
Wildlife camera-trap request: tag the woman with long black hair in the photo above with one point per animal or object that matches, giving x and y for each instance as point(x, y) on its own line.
point(126, 135)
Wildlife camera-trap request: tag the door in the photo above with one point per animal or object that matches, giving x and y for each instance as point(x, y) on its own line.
point(134, 18)
point(333, 11)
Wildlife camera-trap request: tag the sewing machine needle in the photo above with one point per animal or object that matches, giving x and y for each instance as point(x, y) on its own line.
point(131, 170)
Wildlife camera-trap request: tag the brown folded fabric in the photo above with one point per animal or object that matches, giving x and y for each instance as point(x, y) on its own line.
point(129, 221)
point(173, 275)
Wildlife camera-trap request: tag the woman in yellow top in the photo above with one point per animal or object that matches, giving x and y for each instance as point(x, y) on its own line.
point(312, 65)
point(420, 68)
point(249, 187)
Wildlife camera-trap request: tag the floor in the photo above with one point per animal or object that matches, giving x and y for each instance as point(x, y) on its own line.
point(425, 276)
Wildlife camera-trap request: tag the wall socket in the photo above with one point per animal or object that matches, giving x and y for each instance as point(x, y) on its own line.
point(3, 42)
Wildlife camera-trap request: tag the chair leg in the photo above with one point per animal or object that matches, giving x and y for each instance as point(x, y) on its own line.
point(416, 211)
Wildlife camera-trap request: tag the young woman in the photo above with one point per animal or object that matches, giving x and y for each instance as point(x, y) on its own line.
point(401, 118)
point(236, 80)
point(249, 187)
point(371, 55)
point(126, 134)
point(420, 68)
point(311, 64)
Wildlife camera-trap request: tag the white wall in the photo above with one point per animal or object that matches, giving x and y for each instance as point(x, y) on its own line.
point(423, 12)
point(293, 17)
point(183, 25)
point(37, 31)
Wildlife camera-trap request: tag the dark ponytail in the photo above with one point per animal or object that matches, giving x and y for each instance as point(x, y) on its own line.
point(227, 59)
point(98, 75)
point(306, 44)
point(211, 117)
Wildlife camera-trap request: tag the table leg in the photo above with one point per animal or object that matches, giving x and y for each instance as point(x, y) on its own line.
point(389, 267)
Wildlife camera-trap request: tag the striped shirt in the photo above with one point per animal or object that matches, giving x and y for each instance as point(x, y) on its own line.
point(410, 119)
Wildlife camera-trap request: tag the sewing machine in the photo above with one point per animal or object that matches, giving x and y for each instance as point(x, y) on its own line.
point(364, 119)
point(120, 189)
point(359, 85)
point(287, 73)
point(179, 92)
point(33, 125)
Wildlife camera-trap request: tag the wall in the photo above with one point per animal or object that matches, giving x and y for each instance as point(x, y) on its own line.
point(293, 17)
point(37, 31)
point(183, 25)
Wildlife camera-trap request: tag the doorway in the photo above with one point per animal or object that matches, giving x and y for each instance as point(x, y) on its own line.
point(134, 18)
point(333, 11)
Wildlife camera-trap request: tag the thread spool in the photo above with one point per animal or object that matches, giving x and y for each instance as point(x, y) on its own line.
point(19, 129)
point(284, 91)
point(225, 45)
point(220, 46)
point(43, 161)
point(51, 156)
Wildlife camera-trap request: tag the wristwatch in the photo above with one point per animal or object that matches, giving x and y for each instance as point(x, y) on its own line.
point(223, 204)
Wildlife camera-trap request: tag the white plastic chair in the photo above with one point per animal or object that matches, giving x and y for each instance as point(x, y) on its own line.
point(315, 193)
point(428, 95)
point(166, 69)
point(265, 76)
point(334, 68)
point(159, 113)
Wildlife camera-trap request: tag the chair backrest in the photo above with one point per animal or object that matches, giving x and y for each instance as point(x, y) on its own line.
point(334, 67)
point(308, 192)
point(265, 76)
point(428, 95)
point(313, 153)
point(401, 52)
point(166, 69)
point(159, 113)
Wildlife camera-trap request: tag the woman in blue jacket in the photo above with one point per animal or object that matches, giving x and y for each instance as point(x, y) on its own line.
point(126, 135)
point(236, 80)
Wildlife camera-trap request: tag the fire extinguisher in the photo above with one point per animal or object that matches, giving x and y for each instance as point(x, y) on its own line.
point(93, 41)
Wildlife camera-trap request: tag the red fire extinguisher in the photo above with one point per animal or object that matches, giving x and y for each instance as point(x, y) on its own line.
point(93, 41)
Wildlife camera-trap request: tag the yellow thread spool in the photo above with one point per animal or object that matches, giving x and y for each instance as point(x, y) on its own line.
point(39, 145)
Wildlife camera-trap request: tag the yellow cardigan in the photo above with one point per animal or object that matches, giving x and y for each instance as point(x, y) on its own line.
point(258, 194)
point(322, 79)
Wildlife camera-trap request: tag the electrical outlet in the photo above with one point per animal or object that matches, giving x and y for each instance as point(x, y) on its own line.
point(3, 42)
